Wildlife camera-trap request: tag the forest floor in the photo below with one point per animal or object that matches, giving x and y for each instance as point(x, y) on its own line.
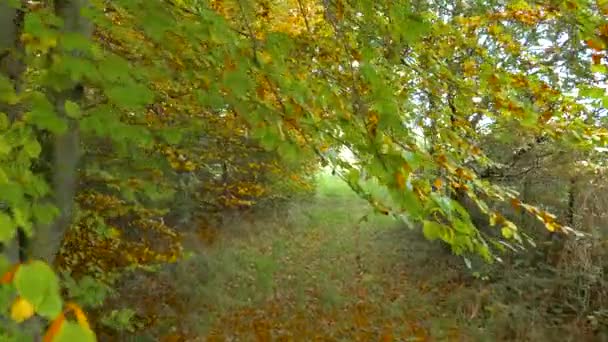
point(312, 272)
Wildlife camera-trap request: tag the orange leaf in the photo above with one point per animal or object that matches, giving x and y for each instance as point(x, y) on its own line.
point(475, 150)
point(442, 160)
point(516, 203)
point(493, 80)
point(597, 58)
point(339, 10)
point(595, 44)
point(372, 118)
point(261, 92)
point(438, 183)
point(54, 328)
point(8, 276)
point(545, 116)
point(387, 335)
point(400, 178)
point(604, 30)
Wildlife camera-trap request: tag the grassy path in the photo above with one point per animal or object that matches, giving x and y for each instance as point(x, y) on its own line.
point(312, 272)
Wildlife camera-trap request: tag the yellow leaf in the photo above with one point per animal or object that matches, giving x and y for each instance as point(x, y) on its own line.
point(189, 166)
point(21, 310)
point(469, 67)
point(265, 57)
point(80, 316)
point(113, 232)
point(552, 226)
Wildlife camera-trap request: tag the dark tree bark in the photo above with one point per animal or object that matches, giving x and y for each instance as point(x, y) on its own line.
point(570, 214)
point(11, 67)
point(66, 146)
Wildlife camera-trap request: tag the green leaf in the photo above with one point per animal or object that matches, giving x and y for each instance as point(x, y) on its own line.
point(73, 41)
point(289, 152)
point(5, 146)
point(269, 140)
point(50, 305)
point(137, 134)
point(114, 68)
point(485, 253)
point(530, 119)
point(156, 22)
point(445, 204)
point(15, 3)
point(4, 122)
point(599, 68)
point(8, 228)
point(32, 148)
point(72, 332)
point(210, 98)
point(592, 92)
point(432, 230)
point(3, 177)
point(43, 116)
point(133, 96)
point(238, 82)
point(72, 109)
point(44, 212)
point(412, 204)
point(172, 135)
point(37, 186)
point(74, 69)
point(7, 91)
point(99, 121)
point(410, 26)
point(7, 297)
point(33, 24)
point(22, 217)
point(507, 232)
point(37, 283)
point(11, 193)
point(353, 176)
point(413, 159)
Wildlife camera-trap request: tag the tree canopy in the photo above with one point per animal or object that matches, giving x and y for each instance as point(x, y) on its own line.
point(115, 114)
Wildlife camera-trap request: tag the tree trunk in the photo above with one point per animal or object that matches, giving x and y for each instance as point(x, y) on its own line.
point(559, 240)
point(570, 214)
point(11, 23)
point(525, 198)
point(66, 146)
point(11, 67)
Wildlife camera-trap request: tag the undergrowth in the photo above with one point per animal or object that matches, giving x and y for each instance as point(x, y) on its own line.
point(312, 269)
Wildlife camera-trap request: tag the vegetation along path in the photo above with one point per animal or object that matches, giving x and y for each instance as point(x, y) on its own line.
point(315, 271)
